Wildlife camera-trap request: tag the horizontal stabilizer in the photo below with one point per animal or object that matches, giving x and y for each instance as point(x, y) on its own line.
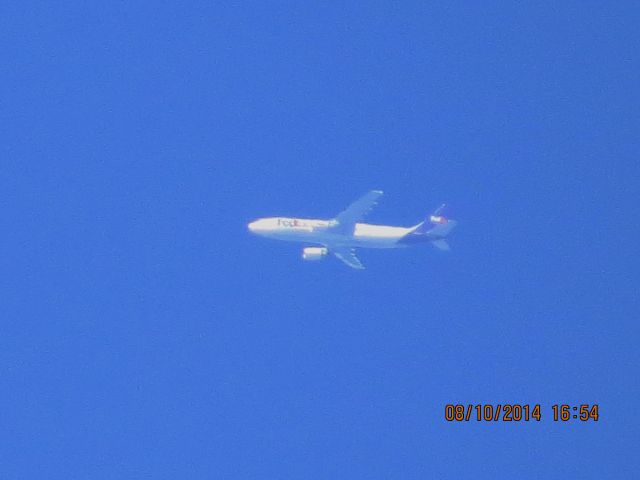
point(442, 229)
point(441, 245)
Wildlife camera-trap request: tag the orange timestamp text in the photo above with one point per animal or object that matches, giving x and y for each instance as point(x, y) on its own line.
point(516, 412)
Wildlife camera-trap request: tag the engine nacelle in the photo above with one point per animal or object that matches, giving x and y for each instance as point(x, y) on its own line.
point(314, 253)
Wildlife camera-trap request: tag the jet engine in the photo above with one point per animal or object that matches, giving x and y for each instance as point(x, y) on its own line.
point(314, 253)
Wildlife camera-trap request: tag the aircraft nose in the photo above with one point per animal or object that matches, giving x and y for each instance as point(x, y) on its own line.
point(255, 227)
point(259, 227)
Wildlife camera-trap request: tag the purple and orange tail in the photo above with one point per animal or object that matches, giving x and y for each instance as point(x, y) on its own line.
point(434, 229)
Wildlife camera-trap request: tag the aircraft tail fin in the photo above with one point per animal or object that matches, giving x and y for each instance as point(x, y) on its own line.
point(436, 226)
point(433, 230)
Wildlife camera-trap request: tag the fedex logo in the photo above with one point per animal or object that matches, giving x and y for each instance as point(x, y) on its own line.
point(291, 222)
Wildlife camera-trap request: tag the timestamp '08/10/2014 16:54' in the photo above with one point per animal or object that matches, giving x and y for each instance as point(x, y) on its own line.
point(514, 412)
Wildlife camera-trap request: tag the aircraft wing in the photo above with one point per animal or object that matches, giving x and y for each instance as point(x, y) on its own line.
point(357, 210)
point(348, 256)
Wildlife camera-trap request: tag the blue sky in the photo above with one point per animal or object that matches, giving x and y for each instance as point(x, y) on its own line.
point(146, 334)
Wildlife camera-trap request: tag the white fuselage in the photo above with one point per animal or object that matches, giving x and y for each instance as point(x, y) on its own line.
point(322, 232)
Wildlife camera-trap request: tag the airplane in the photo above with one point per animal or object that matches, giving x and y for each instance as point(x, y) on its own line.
point(344, 233)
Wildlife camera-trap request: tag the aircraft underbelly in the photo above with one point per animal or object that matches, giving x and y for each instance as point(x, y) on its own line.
point(364, 236)
point(363, 241)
